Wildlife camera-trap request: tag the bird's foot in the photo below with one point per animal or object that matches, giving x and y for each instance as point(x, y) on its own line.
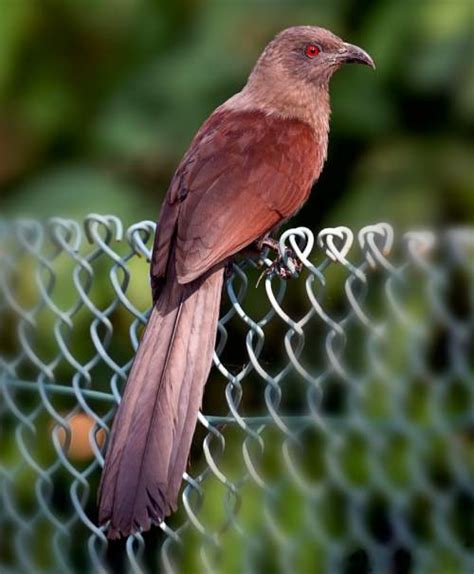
point(284, 266)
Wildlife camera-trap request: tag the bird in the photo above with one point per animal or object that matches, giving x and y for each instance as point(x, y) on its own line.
point(249, 168)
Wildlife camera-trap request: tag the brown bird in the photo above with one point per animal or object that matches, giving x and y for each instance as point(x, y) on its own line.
point(249, 168)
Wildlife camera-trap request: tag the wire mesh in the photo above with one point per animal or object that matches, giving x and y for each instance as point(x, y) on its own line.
point(337, 432)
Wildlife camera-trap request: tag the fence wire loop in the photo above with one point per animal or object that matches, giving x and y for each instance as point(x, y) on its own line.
point(336, 242)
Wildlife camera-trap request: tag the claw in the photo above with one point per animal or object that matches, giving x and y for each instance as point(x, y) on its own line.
point(285, 266)
point(283, 269)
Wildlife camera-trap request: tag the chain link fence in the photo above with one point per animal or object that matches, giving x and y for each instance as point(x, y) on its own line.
point(337, 432)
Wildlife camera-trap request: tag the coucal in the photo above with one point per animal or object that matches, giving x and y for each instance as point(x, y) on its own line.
point(250, 167)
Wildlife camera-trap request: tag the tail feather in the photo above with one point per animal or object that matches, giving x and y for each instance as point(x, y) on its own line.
point(153, 429)
point(190, 402)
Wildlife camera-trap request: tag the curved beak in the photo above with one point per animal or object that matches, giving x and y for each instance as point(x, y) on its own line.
point(351, 54)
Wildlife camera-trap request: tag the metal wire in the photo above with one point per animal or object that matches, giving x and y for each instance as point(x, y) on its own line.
point(337, 432)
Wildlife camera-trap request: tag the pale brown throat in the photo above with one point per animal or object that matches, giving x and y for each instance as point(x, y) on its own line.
point(274, 95)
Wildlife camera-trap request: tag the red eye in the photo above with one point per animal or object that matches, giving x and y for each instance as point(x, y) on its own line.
point(312, 50)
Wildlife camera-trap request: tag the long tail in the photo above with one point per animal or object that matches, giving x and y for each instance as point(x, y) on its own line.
point(153, 428)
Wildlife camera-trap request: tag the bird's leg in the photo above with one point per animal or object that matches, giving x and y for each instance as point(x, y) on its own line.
point(285, 270)
point(268, 242)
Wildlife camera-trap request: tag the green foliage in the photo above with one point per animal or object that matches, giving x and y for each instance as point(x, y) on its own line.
point(122, 87)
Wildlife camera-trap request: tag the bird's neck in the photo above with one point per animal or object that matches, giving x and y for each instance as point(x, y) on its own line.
point(308, 103)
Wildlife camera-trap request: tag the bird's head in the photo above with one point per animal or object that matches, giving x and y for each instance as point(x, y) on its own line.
point(291, 77)
point(308, 55)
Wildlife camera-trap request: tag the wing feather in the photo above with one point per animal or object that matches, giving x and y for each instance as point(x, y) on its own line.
point(244, 173)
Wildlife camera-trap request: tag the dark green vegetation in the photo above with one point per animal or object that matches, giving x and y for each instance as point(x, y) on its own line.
point(98, 101)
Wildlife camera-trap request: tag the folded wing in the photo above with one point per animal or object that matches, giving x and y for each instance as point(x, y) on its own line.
point(244, 173)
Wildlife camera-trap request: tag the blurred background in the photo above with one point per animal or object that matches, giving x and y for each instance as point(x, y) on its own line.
point(98, 103)
point(99, 100)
